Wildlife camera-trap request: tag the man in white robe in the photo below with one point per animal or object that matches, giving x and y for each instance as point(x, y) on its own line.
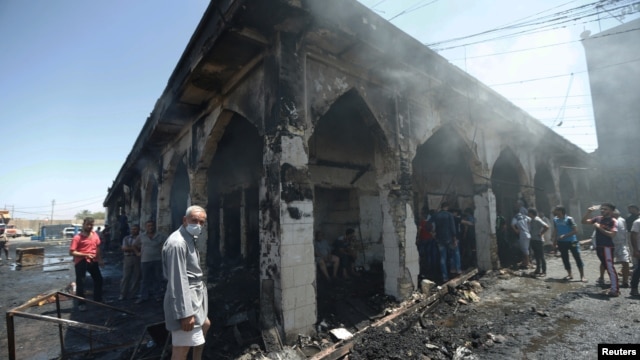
point(185, 300)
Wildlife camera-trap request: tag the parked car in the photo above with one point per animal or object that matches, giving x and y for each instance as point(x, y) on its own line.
point(69, 232)
point(12, 232)
point(28, 232)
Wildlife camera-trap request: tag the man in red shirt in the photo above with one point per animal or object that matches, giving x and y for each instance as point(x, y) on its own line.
point(85, 249)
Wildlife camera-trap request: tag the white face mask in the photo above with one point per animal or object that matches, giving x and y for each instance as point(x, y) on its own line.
point(194, 229)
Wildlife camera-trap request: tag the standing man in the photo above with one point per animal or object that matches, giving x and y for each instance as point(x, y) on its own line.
point(151, 262)
point(85, 249)
point(427, 246)
point(621, 250)
point(446, 237)
point(606, 229)
point(520, 224)
point(538, 228)
point(565, 240)
point(547, 241)
point(185, 301)
point(131, 264)
point(4, 240)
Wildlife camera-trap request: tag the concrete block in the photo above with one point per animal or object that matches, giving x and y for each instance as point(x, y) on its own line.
point(30, 256)
point(305, 317)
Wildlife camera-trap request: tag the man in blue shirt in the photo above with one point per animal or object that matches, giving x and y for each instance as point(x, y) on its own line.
point(565, 240)
point(446, 238)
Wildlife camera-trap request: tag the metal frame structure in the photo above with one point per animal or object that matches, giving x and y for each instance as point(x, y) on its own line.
point(20, 312)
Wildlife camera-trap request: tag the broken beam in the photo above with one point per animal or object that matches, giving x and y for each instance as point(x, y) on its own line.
point(346, 345)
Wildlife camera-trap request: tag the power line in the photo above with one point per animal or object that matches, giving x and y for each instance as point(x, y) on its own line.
point(535, 48)
point(67, 203)
point(546, 97)
point(542, 108)
point(563, 75)
point(411, 9)
point(549, 24)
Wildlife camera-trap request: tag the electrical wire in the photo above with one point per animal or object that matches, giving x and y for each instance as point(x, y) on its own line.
point(563, 75)
point(542, 46)
point(411, 9)
point(541, 23)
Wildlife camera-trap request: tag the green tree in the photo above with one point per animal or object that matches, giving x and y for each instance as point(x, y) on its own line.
point(86, 213)
point(83, 214)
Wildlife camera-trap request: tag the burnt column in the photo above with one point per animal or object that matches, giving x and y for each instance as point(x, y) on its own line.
point(486, 240)
point(401, 261)
point(287, 264)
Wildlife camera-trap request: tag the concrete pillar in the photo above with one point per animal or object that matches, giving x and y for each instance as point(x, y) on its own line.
point(486, 241)
point(401, 260)
point(163, 221)
point(287, 263)
point(199, 197)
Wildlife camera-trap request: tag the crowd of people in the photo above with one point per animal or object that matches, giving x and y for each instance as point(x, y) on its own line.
point(165, 268)
point(615, 240)
point(446, 242)
point(446, 235)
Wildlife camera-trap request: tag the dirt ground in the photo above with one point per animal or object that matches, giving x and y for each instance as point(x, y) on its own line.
point(516, 316)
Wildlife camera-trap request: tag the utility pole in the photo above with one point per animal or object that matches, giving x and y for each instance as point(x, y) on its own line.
point(53, 202)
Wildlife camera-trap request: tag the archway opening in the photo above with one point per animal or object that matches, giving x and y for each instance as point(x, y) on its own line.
point(442, 172)
point(179, 198)
point(506, 185)
point(346, 151)
point(233, 179)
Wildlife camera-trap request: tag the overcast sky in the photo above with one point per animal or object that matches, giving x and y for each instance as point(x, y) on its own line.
point(79, 78)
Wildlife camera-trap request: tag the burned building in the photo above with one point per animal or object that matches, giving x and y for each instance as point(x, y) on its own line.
point(285, 117)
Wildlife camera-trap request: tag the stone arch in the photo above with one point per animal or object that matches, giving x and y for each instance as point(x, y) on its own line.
point(445, 168)
point(507, 180)
point(136, 202)
point(150, 199)
point(350, 102)
point(233, 174)
point(567, 192)
point(179, 193)
point(544, 190)
point(348, 150)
